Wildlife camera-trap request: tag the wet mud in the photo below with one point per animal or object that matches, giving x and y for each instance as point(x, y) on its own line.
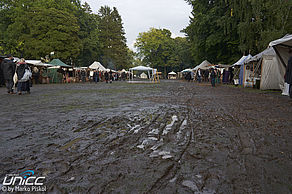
point(172, 137)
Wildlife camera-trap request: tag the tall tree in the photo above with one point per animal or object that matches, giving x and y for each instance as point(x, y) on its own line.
point(155, 47)
point(236, 27)
point(112, 36)
point(89, 36)
point(33, 29)
point(213, 32)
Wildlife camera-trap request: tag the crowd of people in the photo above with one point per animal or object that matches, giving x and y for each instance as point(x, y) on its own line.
point(212, 75)
point(100, 76)
point(16, 76)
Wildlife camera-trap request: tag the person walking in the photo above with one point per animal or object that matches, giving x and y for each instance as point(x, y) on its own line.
point(23, 76)
point(213, 77)
point(8, 68)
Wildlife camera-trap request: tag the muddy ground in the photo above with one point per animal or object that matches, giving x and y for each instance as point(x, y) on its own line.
point(172, 137)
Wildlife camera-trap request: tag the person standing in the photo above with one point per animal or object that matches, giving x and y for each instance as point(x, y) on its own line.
point(23, 76)
point(8, 68)
point(206, 75)
point(288, 77)
point(199, 75)
point(83, 76)
point(231, 75)
point(213, 77)
point(95, 76)
point(106, 76)
point(2, 82)
point(111, 76)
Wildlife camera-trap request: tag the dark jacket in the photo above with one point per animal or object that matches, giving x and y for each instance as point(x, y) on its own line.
point(213, 74)
point(288, 76)
point(21, 70)
point(8, 67)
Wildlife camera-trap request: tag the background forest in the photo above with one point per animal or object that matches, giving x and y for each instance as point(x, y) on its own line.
point(220, 31)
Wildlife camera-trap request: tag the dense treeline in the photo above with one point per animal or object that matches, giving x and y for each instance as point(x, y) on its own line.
point(34, 28)
point(222, 30)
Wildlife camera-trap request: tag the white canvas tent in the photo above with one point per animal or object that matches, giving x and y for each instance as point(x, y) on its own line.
point(242, 60)
point(172, 73)
point(37, 63)
point(186, 70)
point(267, 65)
point(204, 65)
point(98, 66)
point(282, 48)
point(272, 74)
point(141, 68)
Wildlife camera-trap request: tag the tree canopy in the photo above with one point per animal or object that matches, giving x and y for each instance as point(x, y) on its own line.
point(34, 29)
point(159, 50)
point(112, 36)
point(222, 30)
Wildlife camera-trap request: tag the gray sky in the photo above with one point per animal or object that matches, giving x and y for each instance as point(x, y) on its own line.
point(140, 15)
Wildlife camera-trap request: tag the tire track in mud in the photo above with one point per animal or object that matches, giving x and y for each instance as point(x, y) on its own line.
point(171, 172)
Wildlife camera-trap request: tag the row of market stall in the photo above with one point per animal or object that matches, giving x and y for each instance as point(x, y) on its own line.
point(265, 70)
point(57, 71)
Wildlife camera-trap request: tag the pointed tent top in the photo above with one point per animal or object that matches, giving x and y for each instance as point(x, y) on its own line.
point(268, 51)
point(242, 60)
point(172, 73)
point(204, 65)
point(285, 41)
point(58, 62)
point(186, 70)
point(97, 65)
point(141, 68)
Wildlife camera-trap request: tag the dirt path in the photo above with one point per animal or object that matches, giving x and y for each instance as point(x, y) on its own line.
point(174, 137)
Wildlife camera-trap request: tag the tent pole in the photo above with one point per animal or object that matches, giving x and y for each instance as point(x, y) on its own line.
point(253, 73)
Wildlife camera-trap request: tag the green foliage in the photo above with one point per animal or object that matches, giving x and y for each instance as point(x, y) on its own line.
point(89, 36)
point(111, 33)
point(35, 28)
point(160, 51)
point(222, 30)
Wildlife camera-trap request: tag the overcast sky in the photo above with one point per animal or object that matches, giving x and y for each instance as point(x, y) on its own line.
point(140, 15)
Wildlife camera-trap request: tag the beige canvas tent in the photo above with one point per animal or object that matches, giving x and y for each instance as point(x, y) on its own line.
point(98, 66)
point(272, 71)
point(283, 50)
point(204, 65)
point(269, 65)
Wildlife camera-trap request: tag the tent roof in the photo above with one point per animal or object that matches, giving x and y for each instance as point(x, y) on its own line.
point(141, 68)
point(97, 65)
point(268, 51)
point(37, 63)
point(242, 60)
point(186, 70)
point(204, 65)
point(285, 41)
point(58, 62)
point(172, 73)
point(222, 66)
point(283, 47)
